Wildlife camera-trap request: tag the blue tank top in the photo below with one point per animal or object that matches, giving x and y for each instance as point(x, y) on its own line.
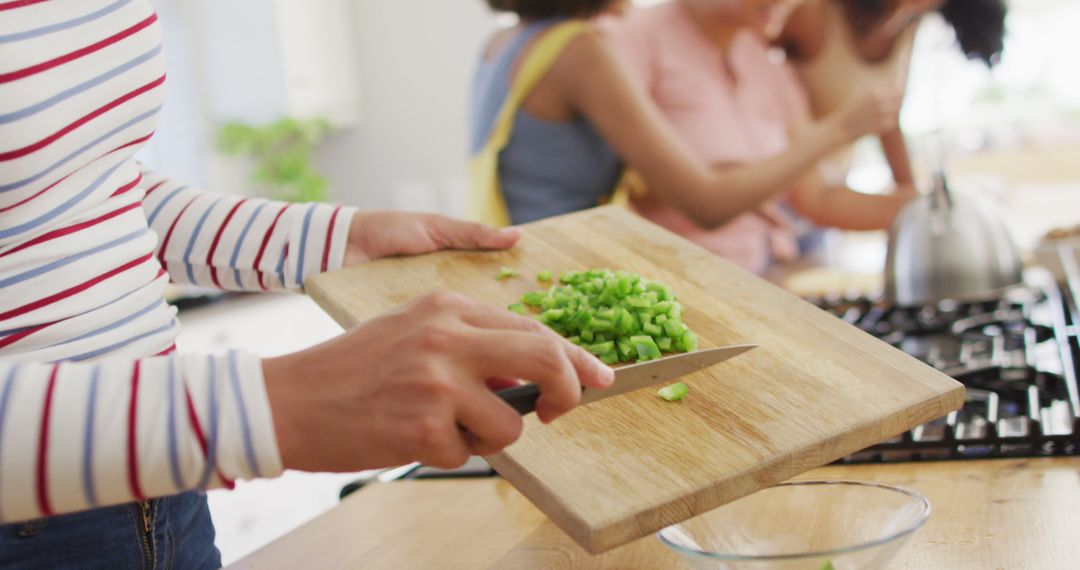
point(548, 168)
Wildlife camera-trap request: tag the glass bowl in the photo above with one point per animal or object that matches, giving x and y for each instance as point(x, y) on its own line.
point(803, 525)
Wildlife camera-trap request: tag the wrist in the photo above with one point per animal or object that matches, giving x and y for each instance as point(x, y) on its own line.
point(277, 375)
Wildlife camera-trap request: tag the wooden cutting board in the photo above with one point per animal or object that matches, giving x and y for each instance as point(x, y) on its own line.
point(814, 391)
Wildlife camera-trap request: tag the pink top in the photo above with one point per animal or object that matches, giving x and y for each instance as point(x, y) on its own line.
point(726, 120)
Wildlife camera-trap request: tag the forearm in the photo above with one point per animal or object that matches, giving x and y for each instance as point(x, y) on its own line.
point(79, 436)
point(844, 208)
point(895, 148)
point(728, 191)
point(235, 243)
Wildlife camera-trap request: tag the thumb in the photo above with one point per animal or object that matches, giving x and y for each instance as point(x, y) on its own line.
point(456, 234)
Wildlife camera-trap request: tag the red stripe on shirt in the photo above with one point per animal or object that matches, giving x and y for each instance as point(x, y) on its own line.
point(21, 152)
point(152, 188)
point(96, 46)
point(167, 351)
point(196, 427)
point(139, 140)
point(127, 187)
point(34, 195)
point(16, 337)
point(71, 229)
point(168, 234)
point(329, 239)
point(217, 239)
point(262, 246)
point(133, 438)
point(18, 4)
point(44, 505)
point(46, 301)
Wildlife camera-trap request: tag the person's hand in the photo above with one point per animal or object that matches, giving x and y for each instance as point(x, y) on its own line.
point(872, 111)
point(382, 233)
point(415, 385)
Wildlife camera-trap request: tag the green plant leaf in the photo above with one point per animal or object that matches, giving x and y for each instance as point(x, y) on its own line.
point(282, 154)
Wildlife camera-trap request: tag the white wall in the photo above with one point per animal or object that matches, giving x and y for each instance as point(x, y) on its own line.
point(415, 61)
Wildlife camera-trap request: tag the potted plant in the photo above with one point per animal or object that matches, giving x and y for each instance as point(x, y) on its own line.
point(281, 152)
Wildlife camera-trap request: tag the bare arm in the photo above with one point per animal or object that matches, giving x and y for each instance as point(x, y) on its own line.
point(841, 207)
point(896, 152)
point(601, 90)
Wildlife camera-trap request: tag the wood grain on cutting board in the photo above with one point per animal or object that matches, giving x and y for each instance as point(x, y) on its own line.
point(814, 391)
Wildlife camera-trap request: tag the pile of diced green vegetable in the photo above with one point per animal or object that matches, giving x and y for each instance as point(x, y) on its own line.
point(617, 315)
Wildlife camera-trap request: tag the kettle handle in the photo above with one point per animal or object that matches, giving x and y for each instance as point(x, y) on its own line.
point(941, 197)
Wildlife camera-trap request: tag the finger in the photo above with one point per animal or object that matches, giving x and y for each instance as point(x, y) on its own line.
point(558, 367)
point(485, 316)
point(491, 423)
point(591, 371)
point(456, 234)
point(447, 449)
point(536, 358)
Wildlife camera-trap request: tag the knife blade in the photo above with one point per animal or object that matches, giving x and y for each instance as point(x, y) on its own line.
point(633, 377)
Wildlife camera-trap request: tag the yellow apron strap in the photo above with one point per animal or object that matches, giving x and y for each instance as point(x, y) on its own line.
point(486, 203)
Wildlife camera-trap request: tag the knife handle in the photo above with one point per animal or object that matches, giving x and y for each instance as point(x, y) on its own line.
point(522, 398)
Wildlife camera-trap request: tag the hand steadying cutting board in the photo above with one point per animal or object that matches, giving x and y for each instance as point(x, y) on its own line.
point(815, 390)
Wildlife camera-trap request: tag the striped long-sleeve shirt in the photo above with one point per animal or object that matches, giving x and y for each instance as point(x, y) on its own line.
point(94, 407)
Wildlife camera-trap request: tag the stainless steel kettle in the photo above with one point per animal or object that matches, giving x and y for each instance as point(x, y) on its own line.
point(947, 245)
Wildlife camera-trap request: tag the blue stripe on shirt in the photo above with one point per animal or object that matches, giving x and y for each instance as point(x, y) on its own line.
point(25, 35)
point(211, 437)
point(53, 265)
point(68, 93)
point(241, 408)
point(115, 324)
point(240, 242)
point(157, 210)
point(174, 455)
point(195, 237)
point(88, 439)
point(303, 246)
point(134, 121)
point(63, 207)
point(118, 345)
point(280, 269)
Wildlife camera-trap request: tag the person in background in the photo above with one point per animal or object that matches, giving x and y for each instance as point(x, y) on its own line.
point(707, 65)
point(557, 117)
point(840, 46)
point(107, 436)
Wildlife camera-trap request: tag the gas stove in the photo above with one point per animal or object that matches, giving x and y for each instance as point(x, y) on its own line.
point(1015, 353)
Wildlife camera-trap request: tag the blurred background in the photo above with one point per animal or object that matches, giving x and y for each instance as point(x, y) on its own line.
point(365, 102)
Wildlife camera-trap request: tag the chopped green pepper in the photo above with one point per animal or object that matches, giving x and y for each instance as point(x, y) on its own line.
point(646, 347)
point(827, 565)
point(674, 392)
point(617, 315)
point(506, 273)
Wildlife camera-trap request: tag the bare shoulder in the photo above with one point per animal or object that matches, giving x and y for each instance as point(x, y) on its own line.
point(585, 54)
point(804, 34)
point(499, 41)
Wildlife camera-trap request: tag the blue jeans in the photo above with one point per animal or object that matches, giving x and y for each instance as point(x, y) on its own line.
point(170, 532)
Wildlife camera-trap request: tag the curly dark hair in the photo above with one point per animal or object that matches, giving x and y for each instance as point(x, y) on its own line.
point(541, 9)
point(979, 24)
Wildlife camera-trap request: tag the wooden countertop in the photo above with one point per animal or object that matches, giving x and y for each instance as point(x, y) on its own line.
point(1007, 514)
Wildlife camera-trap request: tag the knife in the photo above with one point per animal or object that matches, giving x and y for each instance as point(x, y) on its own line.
point(630, 378)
